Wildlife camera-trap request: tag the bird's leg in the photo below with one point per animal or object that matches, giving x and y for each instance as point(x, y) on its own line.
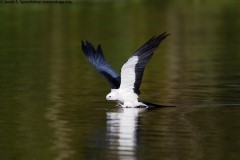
point(127, 104)
point(119, 104)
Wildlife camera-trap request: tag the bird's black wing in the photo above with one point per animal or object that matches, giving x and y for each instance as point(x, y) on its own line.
point(96, 58)
point(132, 70)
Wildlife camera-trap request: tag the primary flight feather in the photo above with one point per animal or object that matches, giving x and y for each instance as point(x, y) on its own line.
point(124, 89)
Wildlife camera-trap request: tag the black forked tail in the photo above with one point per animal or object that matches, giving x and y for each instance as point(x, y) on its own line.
point(153, 105)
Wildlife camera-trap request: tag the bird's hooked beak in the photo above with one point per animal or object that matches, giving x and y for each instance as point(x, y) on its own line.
point(107, 97)
point(110, 97)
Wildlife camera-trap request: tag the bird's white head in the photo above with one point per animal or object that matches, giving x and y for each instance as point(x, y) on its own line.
point(112, 95)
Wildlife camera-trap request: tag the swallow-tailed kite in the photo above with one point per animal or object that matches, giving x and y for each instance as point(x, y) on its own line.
point(124, 89)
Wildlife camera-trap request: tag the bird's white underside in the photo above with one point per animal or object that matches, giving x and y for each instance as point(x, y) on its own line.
point(125, 94)
point(128, 74)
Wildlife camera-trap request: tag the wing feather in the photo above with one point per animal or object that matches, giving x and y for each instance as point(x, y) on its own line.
point(132, 71)
point(96, 58)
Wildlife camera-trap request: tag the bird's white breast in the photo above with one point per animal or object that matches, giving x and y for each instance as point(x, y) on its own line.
point(127, 95)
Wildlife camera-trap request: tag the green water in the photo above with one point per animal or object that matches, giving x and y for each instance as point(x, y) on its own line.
point(52, 101)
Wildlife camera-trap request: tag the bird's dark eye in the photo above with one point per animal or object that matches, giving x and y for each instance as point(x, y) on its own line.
point(110, 96)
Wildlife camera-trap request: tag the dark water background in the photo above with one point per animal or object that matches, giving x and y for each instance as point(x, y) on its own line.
point(52, 102)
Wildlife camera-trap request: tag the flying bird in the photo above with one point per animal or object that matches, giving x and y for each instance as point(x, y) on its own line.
point(124, 87)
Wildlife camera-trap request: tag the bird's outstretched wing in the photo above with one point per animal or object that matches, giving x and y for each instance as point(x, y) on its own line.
point(132, 70)
point(96, 58)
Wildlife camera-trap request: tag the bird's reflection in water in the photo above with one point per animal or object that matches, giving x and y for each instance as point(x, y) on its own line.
point(122, 126)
